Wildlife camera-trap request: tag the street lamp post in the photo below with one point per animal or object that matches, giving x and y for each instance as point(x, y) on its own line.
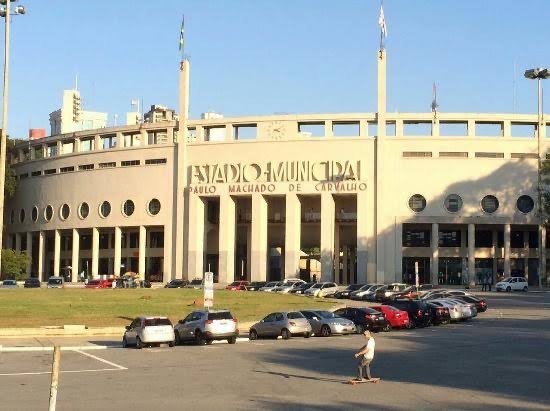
point(539, 74)
point(5, 13)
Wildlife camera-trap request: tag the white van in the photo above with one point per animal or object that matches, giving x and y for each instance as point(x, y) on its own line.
point(56, 282)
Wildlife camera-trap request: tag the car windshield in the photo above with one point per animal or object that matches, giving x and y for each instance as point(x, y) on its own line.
point(176, 281)
point(196, 282)
point(371, 311)
point(508, 280)
point(222, 315)
point(55, 281)
point(317, 285)
point(294, 315)
point(153, 322)
point(9, 282)
point(307, 285)
point(353, 287)
point(326, 314)
point(271, 284)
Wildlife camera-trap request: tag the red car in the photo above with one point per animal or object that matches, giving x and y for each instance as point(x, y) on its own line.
point(100, 284)
point(396, 318)
point(237, 286)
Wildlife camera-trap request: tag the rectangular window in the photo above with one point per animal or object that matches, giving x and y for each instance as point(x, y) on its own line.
point(83, 167)
point(524, 155)
point(489, 129)
point(132, 140)
point(134, 240)
point(155, 161)
point(500, 239)
point(103, 241)
point(51, 150)
point(108, 141)
point(191, 134)
point(67, 147)
point(129, 163)
point(36, 173)
point(483, 239)
point(523, 130)
point(516, 239)
point(416, 238)
point(311, 129)
point(245, 132)
point(66, 169)
point(453, 129)
point(346, 129)
point(417, 129)
point(216, 133)
point(50, 171)
point(533, 239)
point(85, 242)
point(489, 155)
point(157, 137)
point(449, 238)
point(38, 152)
point(87, 144)
point(156, 240)
point(417, 153)
point(456, 154)
point(107, 165)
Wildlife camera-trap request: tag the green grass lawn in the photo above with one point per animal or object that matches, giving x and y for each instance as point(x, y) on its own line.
point(101, 308)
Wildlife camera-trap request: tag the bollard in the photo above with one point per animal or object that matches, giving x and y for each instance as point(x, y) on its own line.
point(55, 377)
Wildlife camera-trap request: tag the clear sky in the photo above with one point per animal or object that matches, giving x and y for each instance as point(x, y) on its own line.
point(261, 57)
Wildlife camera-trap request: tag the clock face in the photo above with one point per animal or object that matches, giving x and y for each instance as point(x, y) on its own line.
point(277, 130)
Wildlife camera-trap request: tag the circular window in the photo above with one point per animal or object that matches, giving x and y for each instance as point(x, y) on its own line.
point(48, 213)
point(525, 204)
point(12, 216)
point(65, 211)
point(417, 203)
point(34, 214)
point(22, 215)
point(128, 208)
point(105, 209)
point(489, 204)
point(154, 206)
point(453, 203)
point(83, 210)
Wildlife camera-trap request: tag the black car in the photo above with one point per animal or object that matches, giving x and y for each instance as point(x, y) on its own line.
point(255, 285)
point(177, 284)
point(387, 293)
point(364, 318)
point(300, 289)
point(32, 282)
point(145, 284)
point(439, 315)
point(347, 292)
point(481, 304)
point(419, 312)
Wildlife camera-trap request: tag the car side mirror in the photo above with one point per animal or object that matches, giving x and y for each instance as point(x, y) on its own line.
point(127, 327)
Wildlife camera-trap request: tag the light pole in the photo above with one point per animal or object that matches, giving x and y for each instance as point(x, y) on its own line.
point(539, 74)
point(5, 13)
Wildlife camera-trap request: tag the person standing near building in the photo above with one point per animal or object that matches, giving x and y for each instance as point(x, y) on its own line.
point(366, 355)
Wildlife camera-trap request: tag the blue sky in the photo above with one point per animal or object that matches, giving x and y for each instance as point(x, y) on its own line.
point(253, 57)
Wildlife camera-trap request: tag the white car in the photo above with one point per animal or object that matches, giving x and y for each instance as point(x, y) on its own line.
point(512, 284)
point(270, 287)
point(321, 290)
point(464, 310)
point(149, 330)
point(285, 288)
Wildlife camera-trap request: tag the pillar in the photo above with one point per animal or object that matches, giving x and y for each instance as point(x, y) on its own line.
point(327, 236)
point(75, 256)
point(337, 277)
point(258, 260)
point(542, 253)
point(167, 273)
point(41, 254)
point(293, 228)
point(507, 234)
point(471, 254)
point(399, 251)
point(142, 245)
point(195, 266)
point(95, 253)
point(29, 252)
point(56, 252)
point(435, 254)
point(363, 215)
point(118, 251)
point(226, 247)
point(526, 251)
point(494, 255)
point(18, 242)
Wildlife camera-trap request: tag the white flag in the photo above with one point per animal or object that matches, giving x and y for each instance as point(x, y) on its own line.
point(382, 22)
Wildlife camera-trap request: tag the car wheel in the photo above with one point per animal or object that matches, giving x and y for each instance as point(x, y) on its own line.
point(124, 342)
point(508, 289)
point(525, 288)
point(360, 328)
point(387, 327)
point(325, 331)
point(307, 335)
point(139, 344)
point(410, 325)
point(253, 335)
point(171, 343)
point(209, 342)
point(178, 338)
point(199, 340)
point(232, 340)
point(285, 334)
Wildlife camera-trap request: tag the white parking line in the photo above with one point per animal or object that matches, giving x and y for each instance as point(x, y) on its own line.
point(120, 367)
point(64, 372)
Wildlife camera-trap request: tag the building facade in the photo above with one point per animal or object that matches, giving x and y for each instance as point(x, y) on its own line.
point(366, 197)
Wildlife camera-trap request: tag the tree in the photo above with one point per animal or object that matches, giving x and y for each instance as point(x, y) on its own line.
point(14, 264)
point(10, 182)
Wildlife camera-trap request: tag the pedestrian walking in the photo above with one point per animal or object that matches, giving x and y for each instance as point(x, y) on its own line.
point(483, 282)
point(366, 355)
point(490, 281)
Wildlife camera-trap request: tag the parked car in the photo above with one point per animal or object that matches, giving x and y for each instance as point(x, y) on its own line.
point(32, 282)
point(55, 282)
point(455, 313)
point(409, 292)
point(439, 314)
point(99, 284)
point(288, 287)
point(301, 288)
point(326, 323)
point(364, 318)
point(270, 286)
point(285, 324)
point(469, 309)
point(387, 293)
point(144, 331)
point(321, 289)
point(176, 283)
point(396, 318)
point(457, 309)
point(9, 284)
point(418, 310)
point(512, 284)
point(204, 326)
point(143, 283)
point(346, 293)
point(255, 285)
point(367, 292)
point(237, 286)
point(480, 303)
point(197, 283)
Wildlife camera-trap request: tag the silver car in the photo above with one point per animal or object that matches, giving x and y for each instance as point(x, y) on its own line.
point(9, 284)
point(202, 326)
point(270, 287)
point(285, 324)
point(149, 330)
point(326, 323)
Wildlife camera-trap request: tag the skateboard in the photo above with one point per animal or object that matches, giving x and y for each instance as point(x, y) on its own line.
point(353, 381)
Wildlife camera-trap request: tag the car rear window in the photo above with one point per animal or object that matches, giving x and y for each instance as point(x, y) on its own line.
point(9, 282)
point(370, 311)
point(153, 322)
point(294, 315)
point(223, 315)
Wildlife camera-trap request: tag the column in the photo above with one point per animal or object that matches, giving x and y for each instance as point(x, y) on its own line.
point(142, 245)
point(18, 242)
point(293, 228)
point(195, 266)
point(97, 143)
point(167, 273)
point(41, 254)
point(327, 236)
point(76, 145)
point(56, 252)
point(118, 251)
point(471, 254)
point(363, 215)
point(345, 266)
point(144, 138)
point(399, 251)
point(75, 256)
point(226, 247)
point(526, 251)
point(95, 253)
point(494, 255)
point(507, 234)
point(258, 260)
point(29, 252)
point(337, 278)
point(435, 254)
point(542, 253)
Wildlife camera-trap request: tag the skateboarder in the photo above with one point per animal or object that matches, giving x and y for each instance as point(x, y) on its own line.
point(366, 354)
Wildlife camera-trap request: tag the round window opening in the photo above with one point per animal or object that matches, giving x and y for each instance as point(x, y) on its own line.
point(453, 203)
point(34, 214)
point(22, 215)
point(105, 209)
point(65, 211)
point(525, 204)
point(128, 208)
point(84, 210)
point(48, 214)
point(489, 204)
point(417, 203)
point(154, 206)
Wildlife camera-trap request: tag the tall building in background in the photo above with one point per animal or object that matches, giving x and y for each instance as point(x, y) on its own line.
point(70, 117)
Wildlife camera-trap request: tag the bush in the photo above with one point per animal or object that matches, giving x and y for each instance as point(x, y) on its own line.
point(14, 264)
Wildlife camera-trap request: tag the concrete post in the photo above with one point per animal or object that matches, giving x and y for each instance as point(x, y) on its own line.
point(142, 248)
point(293, 227)
point(56, 252)
point(435, 254)
point(118, 251)
point(258, 261)
point(29, 252)
point(363, 232)
point(167, 273)
point(337, 278)
point(41, 254)
point(95, 252)
point(471, 254)
point(494, 255)
point(507, 234)
point(327, 236)
point(18, 242)
point(195, 264)
point(226, 247)
point(75, 256)
point(542, 251)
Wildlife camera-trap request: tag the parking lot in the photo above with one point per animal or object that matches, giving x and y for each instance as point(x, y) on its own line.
point(500, 360)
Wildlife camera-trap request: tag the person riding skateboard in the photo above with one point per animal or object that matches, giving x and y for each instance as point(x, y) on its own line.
point(367, 355)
